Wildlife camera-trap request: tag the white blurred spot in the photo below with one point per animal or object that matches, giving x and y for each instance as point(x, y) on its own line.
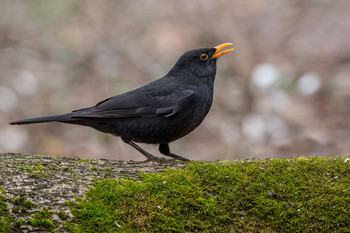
point(25, 83)
point(278, 131)
point(309, 84)
point(12, 139)
point(8, 99)
point(254, 128)
point(278, 101)
point(264, 75)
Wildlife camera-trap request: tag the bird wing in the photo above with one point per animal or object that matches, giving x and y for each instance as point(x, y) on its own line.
point(140, 103)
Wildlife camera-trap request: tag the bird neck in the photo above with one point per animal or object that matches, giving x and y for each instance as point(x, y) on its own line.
point(189, 77)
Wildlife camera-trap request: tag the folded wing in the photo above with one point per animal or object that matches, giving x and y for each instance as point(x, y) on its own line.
point(139, 104)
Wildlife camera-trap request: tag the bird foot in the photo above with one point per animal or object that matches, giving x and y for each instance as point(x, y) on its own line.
point(163, 148)
point(158, 159)
point(177, 157)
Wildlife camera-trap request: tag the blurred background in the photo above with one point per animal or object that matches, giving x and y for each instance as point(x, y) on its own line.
point(283, 92)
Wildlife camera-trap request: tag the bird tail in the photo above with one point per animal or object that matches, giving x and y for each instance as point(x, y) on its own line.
point(59, 118)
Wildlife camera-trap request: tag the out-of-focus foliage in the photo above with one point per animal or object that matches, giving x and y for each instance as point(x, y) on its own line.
point(284, 91)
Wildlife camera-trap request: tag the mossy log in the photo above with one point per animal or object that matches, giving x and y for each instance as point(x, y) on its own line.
point(33, 183)
point(55, 194)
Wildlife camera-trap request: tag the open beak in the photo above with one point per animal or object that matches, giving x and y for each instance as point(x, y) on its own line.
point(218, 48)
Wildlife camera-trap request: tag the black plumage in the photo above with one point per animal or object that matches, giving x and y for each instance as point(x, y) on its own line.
point(159, 112)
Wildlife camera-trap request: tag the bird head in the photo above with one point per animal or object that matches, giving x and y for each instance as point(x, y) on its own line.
point(200, 62)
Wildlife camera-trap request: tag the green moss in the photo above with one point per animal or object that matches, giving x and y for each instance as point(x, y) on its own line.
point(44, 214)
point(5, 219)
point(28, 204)
point(37, 170)
point(18, 200)
point(279, 195)
point(93, 168)
point(20, 222)
point(85, 160)
point(43, 223)
point(42, 219)
point(22, 205)
point(62, 215)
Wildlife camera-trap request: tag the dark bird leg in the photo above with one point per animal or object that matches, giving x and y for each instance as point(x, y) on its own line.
point(142, 151)
point(165, 150)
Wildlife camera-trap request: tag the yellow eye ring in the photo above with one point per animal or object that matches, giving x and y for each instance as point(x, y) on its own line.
point(204, 57)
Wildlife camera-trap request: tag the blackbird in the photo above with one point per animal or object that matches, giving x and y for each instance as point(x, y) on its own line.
point(159, 112)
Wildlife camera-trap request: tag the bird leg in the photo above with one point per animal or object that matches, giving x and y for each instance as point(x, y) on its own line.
point(165, 150)
point(142, 151)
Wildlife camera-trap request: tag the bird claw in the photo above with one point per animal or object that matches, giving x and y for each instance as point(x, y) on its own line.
point(158, 159)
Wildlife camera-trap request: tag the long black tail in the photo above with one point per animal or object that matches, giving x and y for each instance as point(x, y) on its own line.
point(67, 118)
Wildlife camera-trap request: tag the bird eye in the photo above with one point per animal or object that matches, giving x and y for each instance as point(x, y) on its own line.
point(204, 57)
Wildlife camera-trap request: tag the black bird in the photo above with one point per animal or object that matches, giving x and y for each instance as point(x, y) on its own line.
point(159, 112)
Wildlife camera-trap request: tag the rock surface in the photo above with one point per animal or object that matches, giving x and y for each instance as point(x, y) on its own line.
point(33, 183)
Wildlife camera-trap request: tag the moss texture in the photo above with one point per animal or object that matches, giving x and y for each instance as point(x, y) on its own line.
point(5, 218)
point(34, 189)
point(277, 195)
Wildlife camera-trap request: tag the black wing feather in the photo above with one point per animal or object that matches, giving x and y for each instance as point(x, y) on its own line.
point(142, 103)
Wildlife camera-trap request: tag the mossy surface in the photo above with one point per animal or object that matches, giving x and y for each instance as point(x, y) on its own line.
point(274, 195)
point(43, 220)
point(34, 189)
point(277, 195)
point(5, 218)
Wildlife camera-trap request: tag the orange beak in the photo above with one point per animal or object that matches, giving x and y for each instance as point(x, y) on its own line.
point(218, 48)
